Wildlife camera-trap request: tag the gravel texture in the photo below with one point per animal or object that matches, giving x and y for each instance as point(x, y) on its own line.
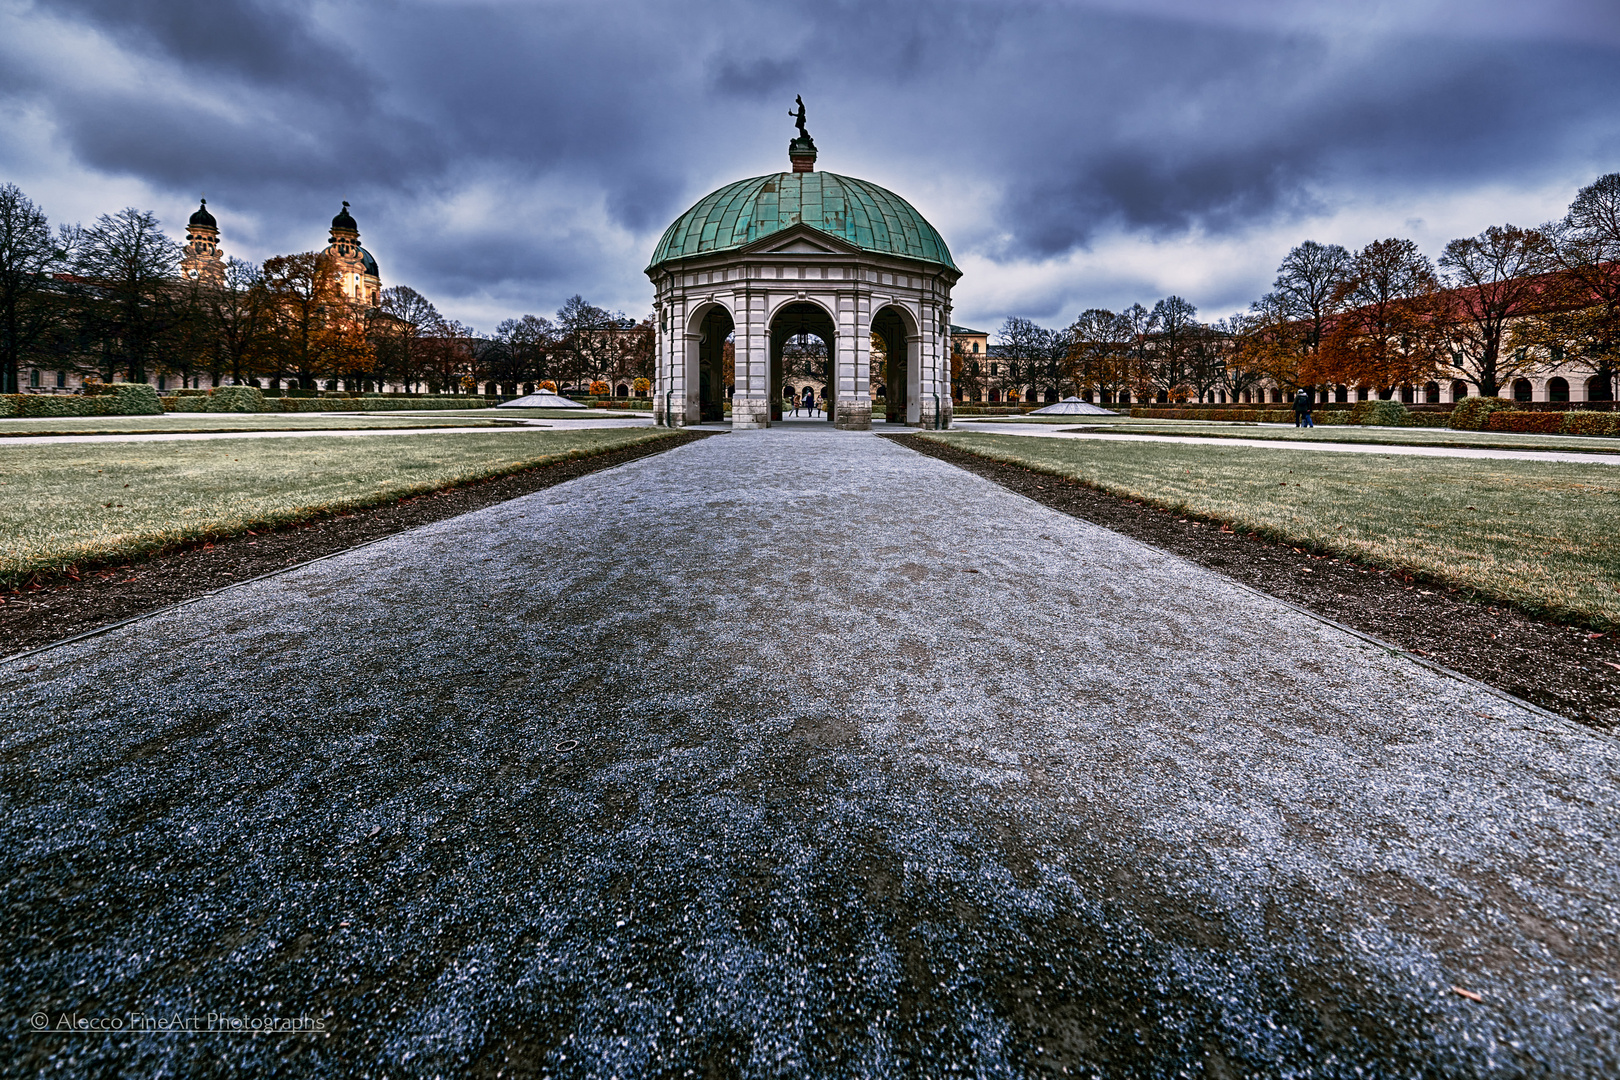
point(94, 597)
point(1567, 669)
point(793, 754)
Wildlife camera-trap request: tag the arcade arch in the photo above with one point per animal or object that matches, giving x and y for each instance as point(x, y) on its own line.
point(897, 329)
point(704, 393)
point(799, 318)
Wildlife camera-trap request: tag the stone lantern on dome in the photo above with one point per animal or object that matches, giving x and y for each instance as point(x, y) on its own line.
point(763, 260)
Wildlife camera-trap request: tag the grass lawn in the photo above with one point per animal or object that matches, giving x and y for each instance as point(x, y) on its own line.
point(187, 422)
point(1345, 433)
point(65, 505)
point(1543, 535)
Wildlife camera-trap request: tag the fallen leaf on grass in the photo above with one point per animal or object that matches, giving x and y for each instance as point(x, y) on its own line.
point(1612, 664)
point(1469, 994)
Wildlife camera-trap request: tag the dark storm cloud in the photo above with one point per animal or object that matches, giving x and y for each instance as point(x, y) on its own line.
point(754, 78)
point(265, 44)
point(1079, 120)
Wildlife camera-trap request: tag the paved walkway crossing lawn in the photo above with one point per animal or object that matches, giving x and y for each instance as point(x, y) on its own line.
point(794, 753)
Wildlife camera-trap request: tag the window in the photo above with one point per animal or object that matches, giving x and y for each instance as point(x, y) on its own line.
point(33, 377)
point(163, 381)
point(975, 346)
point(61, 379)
point(1341, 394)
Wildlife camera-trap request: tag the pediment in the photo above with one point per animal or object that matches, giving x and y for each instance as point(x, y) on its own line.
point(801, 239)
point(801, 246)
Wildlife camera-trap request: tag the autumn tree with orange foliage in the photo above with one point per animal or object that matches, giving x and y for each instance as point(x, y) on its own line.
point(1390, 328)
point(1270, 344)
point(304, 297)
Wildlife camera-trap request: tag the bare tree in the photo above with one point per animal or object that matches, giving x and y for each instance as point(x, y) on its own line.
point(1307, 289)
point(29, 306)
point(239, 309)
point(1170, 329)
point(1578, 316)
point(529, 343)
point(406, 318)
point(1021, 347)
point(1493, 281)
point(588, 344)
point(130, 301)
point(1100, 343)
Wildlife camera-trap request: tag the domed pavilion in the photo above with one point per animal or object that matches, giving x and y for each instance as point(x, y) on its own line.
point(767, 259)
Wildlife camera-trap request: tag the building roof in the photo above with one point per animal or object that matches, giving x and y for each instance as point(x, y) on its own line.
point(872, 218)
point(369, 263)
point(962, 331)
point(344, 221)
point(203, 217)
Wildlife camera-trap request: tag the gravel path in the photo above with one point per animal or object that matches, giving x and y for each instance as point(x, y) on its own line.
point(1042, 432)
point(793, 753)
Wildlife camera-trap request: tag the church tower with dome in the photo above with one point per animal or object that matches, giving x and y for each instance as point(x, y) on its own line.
point(765, 260)
point(356, 270)
point(201, 260)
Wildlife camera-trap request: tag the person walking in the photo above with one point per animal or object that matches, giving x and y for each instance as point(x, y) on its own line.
point(1302, 408)
point(794, 398)
point(810, 400)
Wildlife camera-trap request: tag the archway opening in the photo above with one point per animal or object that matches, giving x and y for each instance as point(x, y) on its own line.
point(895, 368)
point(714, 348)
point(804, 343)
point(1522, 390)
point(1557, 389)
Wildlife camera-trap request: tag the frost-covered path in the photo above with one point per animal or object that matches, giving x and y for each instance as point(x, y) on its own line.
point(793, 753)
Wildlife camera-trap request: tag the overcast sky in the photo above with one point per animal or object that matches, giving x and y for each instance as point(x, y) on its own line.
point(502, 156)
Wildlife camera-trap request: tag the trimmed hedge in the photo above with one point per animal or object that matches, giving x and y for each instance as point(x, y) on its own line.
point(1553, 423)
point(1471, 414)
point(1249, 415)
point(250, 399)
point(237, 399)
point(1591, 423)
point(118, 399)
point(1378, 413)
point(1541, 423)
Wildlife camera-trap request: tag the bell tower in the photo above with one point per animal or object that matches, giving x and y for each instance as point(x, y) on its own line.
point(202, 262)
point(355, 268)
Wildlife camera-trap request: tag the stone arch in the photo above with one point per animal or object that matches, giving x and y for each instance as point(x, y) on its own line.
point(795, 316)
point(1431, 393)
point(897, 325)
point(1522, 390)
point(702, 391)
point(1599, 388)
point(1557, 389)
point(1459, 390)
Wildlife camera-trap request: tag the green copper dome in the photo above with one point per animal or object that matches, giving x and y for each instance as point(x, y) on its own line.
point(870, 217)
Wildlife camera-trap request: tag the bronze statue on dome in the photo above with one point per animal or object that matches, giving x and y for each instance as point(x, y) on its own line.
point(798, 117)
